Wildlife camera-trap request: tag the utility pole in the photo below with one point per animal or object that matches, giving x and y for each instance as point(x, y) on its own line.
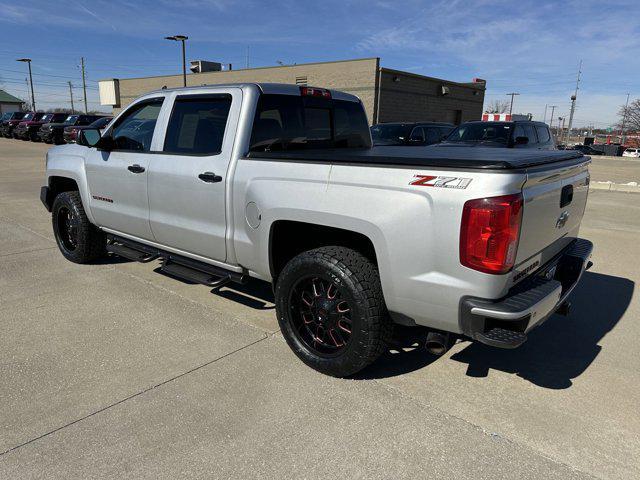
point(513, 94)
point(73, 110)
point(84, 85)
point(544, 120)
point(624, 120)
point(573, 104)
point(247, 56)
point(33, 99)
point(553, 108)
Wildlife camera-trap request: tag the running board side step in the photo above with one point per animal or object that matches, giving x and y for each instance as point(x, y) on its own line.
point(194, 275)
point(130, 253)
point(175, 265)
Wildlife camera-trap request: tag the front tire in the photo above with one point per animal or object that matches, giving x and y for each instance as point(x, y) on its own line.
point(331, 310)
point(78, 239)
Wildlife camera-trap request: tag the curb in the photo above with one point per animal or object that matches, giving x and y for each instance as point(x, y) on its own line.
point(631, 187)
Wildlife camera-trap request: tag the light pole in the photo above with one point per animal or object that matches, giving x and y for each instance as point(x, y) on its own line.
point(181, 38)
point(33, 100)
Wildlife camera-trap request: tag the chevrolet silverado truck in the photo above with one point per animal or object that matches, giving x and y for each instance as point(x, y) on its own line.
point(280, 183)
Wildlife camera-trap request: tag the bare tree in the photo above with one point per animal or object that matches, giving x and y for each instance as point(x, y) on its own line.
point(497, 106)
point(629, 116)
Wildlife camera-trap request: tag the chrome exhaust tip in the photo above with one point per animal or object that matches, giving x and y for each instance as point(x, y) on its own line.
point(438, 343)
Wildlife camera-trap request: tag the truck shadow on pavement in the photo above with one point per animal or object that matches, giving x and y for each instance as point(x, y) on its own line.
point(554, 354)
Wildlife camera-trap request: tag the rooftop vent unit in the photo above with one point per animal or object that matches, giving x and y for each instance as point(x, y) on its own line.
point(201, 66)
point(301, 80)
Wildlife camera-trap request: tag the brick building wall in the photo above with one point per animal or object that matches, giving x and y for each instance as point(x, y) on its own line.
point(406, 97)
point(387, 95)
point(357, 77)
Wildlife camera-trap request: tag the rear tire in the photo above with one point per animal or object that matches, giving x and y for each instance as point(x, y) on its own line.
point(331, 310)
point(77, 238)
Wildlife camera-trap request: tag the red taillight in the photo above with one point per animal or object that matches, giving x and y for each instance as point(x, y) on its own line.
point(315, 92)
point(489, 233)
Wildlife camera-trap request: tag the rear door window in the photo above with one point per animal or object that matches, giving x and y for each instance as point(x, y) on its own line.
point(417, 134)
point(197, 125)
point(531, 134)
point(543, 134)
point(432, 135)
point(290, 122)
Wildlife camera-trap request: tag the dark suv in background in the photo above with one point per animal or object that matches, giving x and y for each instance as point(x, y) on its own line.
point(414, 133)
point(7, 117)
point(24, 128)
point(8, 124)
point(28, 130)
point(516, 134)
point(53, 132)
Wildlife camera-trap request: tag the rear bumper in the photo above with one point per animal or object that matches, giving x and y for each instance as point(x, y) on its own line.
point(505, 322)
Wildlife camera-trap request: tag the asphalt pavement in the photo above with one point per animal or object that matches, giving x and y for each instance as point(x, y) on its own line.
point(114, 370)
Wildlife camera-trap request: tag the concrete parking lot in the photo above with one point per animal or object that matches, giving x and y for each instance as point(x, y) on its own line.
point(116, 371)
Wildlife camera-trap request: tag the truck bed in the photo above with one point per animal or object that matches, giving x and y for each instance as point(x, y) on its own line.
point(484, 158)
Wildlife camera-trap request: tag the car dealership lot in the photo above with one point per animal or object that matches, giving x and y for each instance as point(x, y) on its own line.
point(114, 370)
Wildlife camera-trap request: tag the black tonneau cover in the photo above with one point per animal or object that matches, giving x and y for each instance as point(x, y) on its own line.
point(441, 156)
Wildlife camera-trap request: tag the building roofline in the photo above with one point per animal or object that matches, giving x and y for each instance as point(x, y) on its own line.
point(480, 86)
point(179, 75)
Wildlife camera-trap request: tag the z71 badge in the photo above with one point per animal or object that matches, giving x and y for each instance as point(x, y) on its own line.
point(440, 181)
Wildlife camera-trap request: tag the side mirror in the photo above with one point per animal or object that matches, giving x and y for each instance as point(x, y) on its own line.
point(522, 140)
point(91, 137)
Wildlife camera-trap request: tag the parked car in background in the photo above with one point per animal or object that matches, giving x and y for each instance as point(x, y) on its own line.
point(28, 130)
point(7, 125)
point(53, 132)
point(70, 134)
point(586, 149)
point(413, 133)
point(631, 152)
point(516, 134)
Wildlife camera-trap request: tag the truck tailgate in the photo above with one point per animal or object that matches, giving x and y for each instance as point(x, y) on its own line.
point(555, 197)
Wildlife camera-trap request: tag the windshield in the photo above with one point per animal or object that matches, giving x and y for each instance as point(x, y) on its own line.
point(71, 119)
point(6, 116)
point(481, 132)
point(397, 134)
point(27, 117)
point(46, 118)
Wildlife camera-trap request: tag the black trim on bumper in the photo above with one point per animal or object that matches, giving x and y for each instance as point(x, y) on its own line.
point(46, 198)
point(528, 304)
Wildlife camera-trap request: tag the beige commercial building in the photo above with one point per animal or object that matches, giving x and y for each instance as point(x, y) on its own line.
point(388, 95)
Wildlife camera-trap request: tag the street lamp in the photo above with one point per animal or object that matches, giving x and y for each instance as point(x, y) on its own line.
point(33, 100)
point(181, 38)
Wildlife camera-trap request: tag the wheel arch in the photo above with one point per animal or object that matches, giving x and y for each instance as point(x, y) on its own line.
point(288, 238)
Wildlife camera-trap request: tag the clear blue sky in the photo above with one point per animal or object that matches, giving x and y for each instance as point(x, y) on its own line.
point(532, 47)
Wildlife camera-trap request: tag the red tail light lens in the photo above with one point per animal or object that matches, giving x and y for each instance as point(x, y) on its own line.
point(489, 233)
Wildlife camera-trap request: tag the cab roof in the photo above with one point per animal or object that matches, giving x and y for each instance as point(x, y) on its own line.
point(265, 88)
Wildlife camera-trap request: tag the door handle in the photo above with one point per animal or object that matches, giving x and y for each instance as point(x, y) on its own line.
point(135, 168)
point(210, 177)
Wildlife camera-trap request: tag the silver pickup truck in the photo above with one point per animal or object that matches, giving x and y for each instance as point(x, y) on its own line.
point(280, 183)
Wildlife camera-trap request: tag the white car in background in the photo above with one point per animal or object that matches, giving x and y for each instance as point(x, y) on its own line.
point(631, 152)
